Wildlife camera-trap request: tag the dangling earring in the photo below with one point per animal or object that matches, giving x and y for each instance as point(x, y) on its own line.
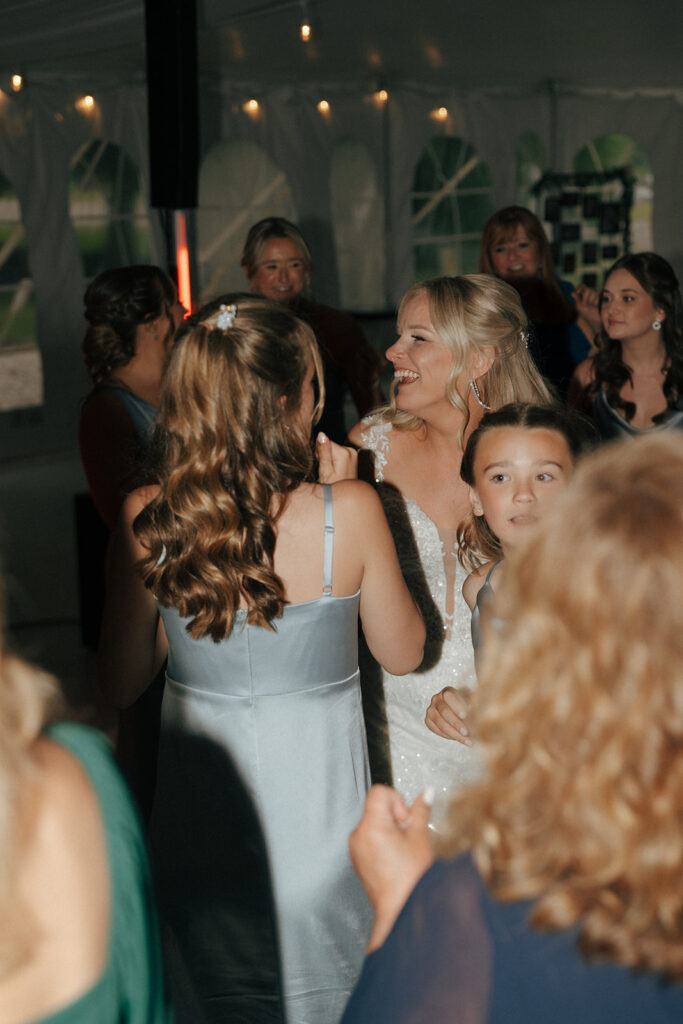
point(657, 325)
point(477, 395)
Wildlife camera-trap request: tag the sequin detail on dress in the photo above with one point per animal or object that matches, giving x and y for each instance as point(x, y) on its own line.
point(419, 758)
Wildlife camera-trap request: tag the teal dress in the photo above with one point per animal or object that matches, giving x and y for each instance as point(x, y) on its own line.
point(131, 987)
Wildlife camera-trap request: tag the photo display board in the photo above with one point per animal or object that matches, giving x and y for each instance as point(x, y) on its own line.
point(587, 218)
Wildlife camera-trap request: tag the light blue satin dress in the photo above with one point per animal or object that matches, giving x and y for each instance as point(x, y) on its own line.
point(285, 707)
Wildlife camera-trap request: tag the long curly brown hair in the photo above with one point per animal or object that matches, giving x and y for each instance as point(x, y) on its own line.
point(231, 447)
point(610, 373)
point(579, 714)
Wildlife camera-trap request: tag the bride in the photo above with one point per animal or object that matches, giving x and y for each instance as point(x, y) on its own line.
point(462, 348)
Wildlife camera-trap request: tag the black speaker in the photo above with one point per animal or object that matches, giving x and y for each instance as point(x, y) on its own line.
point(172, 102)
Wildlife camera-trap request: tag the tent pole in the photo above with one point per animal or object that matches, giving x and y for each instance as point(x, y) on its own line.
point(554, 93)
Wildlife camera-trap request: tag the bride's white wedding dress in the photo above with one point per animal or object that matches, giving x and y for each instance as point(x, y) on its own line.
point(420, 758)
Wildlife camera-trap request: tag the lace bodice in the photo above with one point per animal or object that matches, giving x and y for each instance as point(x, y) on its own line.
point(419, 757)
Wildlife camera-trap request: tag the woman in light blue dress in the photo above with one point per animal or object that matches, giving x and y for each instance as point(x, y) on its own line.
point(252, 578)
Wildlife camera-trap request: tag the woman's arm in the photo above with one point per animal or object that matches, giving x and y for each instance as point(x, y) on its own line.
point(392, 624)
point(132, 642)
point(107, 443)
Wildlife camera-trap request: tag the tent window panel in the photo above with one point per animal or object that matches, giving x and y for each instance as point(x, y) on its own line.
point(108, 209)
point(21, 368)
point(530, 161)
point(358, 226)
point(239, 184)
point(451, 202)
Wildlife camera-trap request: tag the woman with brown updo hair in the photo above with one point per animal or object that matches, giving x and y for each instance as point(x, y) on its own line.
point(132, 314)
point(252, 576)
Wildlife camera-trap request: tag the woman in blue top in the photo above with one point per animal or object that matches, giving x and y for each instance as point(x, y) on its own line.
point(132, 314)
point(252, 576)
point(562, 900)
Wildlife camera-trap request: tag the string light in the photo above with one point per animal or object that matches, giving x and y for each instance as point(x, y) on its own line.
point(440, 114)
point(17, 83)
point(86, 104)
point(324, 107)
point(251, 107)
point(381, 96)
point(305, 30)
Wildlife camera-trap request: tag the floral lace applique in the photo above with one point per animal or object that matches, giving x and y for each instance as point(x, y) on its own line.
point(376, 440)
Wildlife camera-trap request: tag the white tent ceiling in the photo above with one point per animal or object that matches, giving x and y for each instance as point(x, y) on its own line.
point(489, 44)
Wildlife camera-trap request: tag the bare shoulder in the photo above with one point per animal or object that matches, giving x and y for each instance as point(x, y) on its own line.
point(63, 782)
point(353, 492)
point(473, 584)
point(134, 503)
point(355, 435)
point(63, 883)
point(357, 504)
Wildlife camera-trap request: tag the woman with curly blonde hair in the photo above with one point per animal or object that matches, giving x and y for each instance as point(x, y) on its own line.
point(563, 901)
point(252, 577)
point(461, 350)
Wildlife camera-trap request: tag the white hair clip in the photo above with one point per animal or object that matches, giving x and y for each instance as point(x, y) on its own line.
point(223, 319)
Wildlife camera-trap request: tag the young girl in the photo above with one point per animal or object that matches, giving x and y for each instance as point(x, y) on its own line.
point(516, 463)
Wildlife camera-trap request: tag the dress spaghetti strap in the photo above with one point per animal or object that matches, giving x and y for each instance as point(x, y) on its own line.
point(329, 541)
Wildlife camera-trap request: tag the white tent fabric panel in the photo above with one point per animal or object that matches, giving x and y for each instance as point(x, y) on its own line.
point(40, 130)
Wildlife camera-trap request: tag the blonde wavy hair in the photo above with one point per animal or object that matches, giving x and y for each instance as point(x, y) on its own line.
point(475, 313)
point(231, 446)
point(579, 715)
point(28, 699)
